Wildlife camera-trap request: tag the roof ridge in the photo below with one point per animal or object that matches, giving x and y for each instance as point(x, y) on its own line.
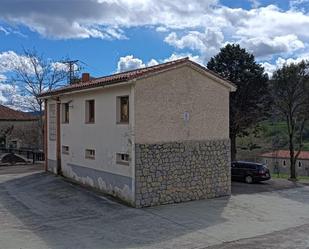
point(7, 113)
point(144, 68)
point(127, 76)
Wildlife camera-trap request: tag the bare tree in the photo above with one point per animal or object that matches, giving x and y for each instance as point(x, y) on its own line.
point(5, 131)
point(35, 74)
point(290, 86)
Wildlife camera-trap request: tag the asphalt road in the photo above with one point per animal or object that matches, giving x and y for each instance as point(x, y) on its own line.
point(41, 211)
point(295, 237)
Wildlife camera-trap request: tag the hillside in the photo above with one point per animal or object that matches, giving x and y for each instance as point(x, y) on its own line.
point(269, 136)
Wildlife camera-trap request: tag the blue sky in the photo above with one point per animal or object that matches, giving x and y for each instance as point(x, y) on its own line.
point(117, 35)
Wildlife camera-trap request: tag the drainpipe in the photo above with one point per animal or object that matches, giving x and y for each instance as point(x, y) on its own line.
point(58, 137)
point(45, 136)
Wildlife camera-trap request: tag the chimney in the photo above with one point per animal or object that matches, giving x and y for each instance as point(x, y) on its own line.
point(85, 77)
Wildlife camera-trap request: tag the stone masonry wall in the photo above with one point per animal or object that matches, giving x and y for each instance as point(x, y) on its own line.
point(181, 171)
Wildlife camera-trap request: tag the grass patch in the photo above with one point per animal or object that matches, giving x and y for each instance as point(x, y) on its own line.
point(286, 176)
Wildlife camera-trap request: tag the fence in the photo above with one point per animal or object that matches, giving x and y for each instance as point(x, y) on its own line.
point(32, 154)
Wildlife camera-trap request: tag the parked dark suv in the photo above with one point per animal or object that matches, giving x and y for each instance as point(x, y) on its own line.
point(249, 172)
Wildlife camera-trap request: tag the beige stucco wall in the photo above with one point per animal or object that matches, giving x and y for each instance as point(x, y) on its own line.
point(161, 102)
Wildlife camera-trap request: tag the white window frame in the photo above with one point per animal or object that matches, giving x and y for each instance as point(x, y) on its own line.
point(122, 158)
point(63, 107)
point(65, 149)
point(90, 154)
point(87, 111)
point(118, 107)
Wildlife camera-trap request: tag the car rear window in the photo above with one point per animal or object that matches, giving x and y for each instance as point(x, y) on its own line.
point(250, 166)
point(261, 167)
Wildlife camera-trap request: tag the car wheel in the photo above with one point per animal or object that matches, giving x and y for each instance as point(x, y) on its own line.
point(249, 179)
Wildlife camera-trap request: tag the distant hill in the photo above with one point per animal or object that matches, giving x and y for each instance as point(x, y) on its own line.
point(36, 113)
point(270, 136)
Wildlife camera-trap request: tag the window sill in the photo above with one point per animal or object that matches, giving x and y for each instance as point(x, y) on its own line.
point(89, 122)
point(122, 123)
point(123, 163)
point(91, 158)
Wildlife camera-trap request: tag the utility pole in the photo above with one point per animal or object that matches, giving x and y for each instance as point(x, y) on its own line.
point(71, 64)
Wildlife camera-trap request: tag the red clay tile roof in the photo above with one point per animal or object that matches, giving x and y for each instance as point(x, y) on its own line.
point(126, 76)
point(285, 154)
point(9, 114)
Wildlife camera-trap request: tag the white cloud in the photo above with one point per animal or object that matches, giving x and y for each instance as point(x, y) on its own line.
point(83, 19)
point(207, 43)
point(12, 96)
point(2, 78)
point(162, 29)
point(267, 31)
point(152, 62)
point(9, 60)
point(271, 67)
point(128, 63)
point(265, 46)
point(175, 56)
point(295, 4)
point(3, 30)
point(255, 3)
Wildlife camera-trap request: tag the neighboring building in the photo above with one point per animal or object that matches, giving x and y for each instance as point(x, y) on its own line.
point(18, 129)
point(149, 136)
point(279, 161)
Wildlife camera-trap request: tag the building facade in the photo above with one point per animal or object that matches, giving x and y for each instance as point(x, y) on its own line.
point(150, 136)
point(18, 129)
point(279, 162)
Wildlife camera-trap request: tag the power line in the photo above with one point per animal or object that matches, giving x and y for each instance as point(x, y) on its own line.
point(71, 67)
point(92, 67)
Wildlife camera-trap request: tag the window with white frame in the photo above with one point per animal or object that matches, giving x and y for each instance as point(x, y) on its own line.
point(122, 158)
point(123, 109)
point(65, 113)
point(65, 149)
point(90, 111)
point(90, 153)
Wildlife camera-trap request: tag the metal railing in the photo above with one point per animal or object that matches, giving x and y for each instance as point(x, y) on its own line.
point(31, 154)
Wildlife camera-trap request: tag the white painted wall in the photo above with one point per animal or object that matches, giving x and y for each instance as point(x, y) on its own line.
point(105, 136)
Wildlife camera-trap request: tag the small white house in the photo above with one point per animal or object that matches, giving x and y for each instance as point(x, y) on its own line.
point(279, 162)
point(150, 136)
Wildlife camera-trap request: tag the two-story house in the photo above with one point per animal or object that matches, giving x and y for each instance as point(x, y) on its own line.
point(150, 136)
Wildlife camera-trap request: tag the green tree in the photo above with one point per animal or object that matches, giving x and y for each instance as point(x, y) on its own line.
point(290, 90)
point(250, 103)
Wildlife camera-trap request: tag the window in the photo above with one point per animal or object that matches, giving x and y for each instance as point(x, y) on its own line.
point(90, 154)
point(299, 164)
point(123, 109)
point(65, 113)
point(284, 163)
point(65, 149)
point(122, 158)
point(90, 110)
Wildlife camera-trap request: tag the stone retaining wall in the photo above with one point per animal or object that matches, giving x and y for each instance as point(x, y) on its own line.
point(181, 171)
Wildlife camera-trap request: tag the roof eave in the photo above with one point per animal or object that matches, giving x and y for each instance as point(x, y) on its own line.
point(86, 89)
